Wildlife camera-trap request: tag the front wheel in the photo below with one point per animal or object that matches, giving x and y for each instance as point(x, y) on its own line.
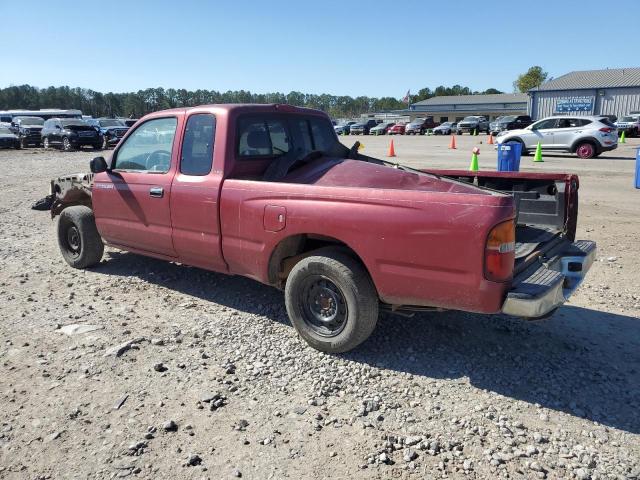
point(78, 238)
point(331, 301)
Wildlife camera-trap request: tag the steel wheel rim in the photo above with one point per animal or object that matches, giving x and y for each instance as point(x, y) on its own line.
point(323, 305)
point(74, 242)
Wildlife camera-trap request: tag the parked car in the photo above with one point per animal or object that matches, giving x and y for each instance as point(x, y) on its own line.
point(510, 122)
point(473, 123)
point(363, 128)
point(381, 128)
point(587, 136)
point(28, 130)
point(445, 128)
point(420, 126)
point(8, 139)
point(111, 129)
point(397, 129)
point(269, 221)
point(494, 122)
point(70, 133)
point(343, 128)
point(629, 124)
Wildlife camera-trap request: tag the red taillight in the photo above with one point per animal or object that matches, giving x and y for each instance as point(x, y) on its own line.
point(499, 254)
point(606, 129)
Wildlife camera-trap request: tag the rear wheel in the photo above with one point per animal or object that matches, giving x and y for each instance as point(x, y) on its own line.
point(78, 238)
point(586, 150)
point(331, 301)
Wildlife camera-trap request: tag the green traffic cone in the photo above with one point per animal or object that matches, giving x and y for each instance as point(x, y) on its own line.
point(538, 156)
point(622, 138)
point(474, 160)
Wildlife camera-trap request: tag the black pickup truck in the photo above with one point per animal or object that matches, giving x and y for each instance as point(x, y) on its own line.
point(28, 130)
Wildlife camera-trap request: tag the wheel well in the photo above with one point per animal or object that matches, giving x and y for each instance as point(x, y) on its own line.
point(590, 140)
point(293, 249)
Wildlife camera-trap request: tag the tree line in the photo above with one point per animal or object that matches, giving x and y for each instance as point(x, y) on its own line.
point(137, 104)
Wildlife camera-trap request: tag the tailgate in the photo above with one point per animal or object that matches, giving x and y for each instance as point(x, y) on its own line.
point(549, 264)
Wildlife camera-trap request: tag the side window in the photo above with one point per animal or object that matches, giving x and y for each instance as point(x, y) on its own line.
point(323, 136)
point(148, 148)
point(262, 137)
point(551, 123)
point(197, 145)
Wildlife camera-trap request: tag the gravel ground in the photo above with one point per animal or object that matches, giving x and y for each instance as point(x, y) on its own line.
point(140, 368)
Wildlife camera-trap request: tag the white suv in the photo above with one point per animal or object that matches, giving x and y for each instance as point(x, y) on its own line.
point(587, 137)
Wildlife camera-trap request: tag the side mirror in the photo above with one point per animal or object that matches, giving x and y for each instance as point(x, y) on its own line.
point(98, 165)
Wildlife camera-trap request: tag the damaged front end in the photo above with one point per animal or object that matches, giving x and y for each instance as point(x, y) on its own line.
point(67, 191)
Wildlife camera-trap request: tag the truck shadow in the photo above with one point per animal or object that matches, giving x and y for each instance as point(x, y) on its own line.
point(582, 362)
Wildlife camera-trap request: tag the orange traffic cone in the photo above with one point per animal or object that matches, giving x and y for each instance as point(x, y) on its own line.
point(392, 151)
point(490, 142)
point(452, 145)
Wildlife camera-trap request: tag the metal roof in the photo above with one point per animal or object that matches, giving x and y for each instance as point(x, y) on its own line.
point(475, 99)
point(610, 78)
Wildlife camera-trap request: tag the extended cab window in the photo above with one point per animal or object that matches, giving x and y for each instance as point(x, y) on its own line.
point(197, 146)
point(148, 149)
point(262, 137)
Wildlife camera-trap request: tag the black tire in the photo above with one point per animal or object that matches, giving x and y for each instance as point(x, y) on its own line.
point(98, 146)
point(351, 296)
point(78, 238)
point(66, 144)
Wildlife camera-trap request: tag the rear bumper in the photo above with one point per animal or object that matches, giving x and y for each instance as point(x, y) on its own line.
point(539, 291)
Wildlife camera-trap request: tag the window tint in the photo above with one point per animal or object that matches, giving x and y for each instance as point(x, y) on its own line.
point(323, 137)
point(260, 137)
point(149, 147)
point(197, 146)
point(550, 123)
point(568, 122)
point(607, 122)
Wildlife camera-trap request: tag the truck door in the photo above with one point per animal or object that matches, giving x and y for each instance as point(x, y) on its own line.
point(131, 200)
point(194, 197)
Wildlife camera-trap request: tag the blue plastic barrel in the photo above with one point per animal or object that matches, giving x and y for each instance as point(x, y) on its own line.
point(638, 168)
point(509, 156)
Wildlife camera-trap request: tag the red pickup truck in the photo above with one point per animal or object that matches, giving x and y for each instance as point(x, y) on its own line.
point(268, 192)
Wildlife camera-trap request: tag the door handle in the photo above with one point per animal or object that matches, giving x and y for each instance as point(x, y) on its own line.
point(157, 192)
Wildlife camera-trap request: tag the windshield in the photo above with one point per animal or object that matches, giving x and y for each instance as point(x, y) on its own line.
point(626, 119)
point(446, 124)
point(29, 120)
point(469, 119)
point(510, 118)
point(73, 123)
point(110, 123)
point(4, 131)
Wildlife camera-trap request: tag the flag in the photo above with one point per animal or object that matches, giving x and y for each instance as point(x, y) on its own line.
point(407, 97)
